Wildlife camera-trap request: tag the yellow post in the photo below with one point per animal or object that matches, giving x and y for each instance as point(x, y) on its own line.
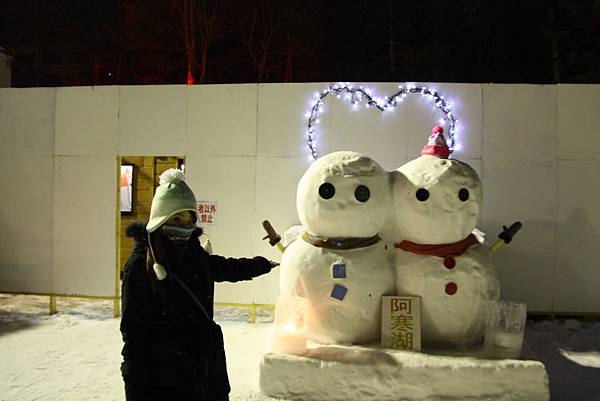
point(116, 308)
point(52, 304)
point(253, 313)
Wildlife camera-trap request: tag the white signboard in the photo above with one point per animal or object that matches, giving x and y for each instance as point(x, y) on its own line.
point(401, 322)
point(207, 213)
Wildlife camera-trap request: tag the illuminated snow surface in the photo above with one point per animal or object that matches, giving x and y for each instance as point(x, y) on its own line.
point(75, 354)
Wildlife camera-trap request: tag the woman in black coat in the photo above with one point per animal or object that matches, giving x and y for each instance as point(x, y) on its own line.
point(173, 350)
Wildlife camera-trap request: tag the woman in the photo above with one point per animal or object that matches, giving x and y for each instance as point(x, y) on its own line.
point(173, 349)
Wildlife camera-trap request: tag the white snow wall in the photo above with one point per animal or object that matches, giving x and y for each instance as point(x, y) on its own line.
point(535, 147)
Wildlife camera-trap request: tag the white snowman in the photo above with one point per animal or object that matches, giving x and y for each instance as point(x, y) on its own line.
point(437, 203)
point(339, 264)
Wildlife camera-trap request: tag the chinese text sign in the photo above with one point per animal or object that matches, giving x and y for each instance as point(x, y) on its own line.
point(207, 213)
point(401, 322)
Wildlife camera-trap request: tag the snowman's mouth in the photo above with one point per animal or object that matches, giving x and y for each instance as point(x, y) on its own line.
point(340, 243)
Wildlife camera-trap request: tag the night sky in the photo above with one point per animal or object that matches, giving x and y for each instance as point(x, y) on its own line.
point(123, 42)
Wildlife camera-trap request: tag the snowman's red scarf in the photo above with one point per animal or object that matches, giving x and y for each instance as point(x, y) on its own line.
point(441, 250)
point(340, 243)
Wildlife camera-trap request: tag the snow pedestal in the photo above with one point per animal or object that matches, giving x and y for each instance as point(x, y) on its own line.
point(331, 373)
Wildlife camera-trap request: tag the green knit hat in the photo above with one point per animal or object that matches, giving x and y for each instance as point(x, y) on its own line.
point(172, 196)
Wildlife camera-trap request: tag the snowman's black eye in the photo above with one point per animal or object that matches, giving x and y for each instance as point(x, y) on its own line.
point(326, 190)
point(463, 194)
point(422, 194)
point(362, 193)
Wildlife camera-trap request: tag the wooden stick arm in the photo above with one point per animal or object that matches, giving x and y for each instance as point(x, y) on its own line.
point(506, 236)
point(274, 238)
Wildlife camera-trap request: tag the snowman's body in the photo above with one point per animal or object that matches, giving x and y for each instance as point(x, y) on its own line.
point(453, 308)
point(339, 265)
point(437, 203)
point(343, 289)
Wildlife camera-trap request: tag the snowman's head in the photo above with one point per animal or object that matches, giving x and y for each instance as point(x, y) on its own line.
point(343, 194)
point(436, 200)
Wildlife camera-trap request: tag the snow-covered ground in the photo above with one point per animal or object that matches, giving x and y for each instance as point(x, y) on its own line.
point(75, 354)
point(570, 350)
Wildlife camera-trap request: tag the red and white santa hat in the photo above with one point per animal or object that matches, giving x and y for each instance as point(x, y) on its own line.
point(436, 144)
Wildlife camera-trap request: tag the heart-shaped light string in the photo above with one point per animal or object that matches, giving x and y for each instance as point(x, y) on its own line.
point(360, 94)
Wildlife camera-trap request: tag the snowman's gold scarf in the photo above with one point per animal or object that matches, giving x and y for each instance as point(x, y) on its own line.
point(340, 243)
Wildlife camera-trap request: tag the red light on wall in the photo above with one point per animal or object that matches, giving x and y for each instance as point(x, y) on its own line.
point(190, 77)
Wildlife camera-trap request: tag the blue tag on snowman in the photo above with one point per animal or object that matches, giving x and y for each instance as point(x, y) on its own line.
point(339, 270)
point(339, 292)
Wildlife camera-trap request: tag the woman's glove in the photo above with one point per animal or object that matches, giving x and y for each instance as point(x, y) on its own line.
point(273, 263)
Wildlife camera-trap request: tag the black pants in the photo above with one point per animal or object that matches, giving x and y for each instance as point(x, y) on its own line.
point(155, 393)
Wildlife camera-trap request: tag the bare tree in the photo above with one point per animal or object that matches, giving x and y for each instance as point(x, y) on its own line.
point(175, 34)
point(202, 23)
point(270, 31)
point(572, 29)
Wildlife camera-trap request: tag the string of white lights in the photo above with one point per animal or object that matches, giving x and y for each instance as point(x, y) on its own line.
point(356, 95)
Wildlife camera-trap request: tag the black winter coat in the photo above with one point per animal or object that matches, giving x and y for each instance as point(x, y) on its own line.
point(171, 350)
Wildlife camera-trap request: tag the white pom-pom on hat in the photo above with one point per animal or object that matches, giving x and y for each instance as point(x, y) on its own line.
point(171, 175)
point(172, 196)
point(160, 271)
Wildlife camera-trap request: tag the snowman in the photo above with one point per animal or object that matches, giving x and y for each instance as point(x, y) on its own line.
point(436, 204)
point(339, 264)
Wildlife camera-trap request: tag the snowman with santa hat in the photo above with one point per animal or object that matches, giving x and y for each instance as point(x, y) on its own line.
point(437, 201)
